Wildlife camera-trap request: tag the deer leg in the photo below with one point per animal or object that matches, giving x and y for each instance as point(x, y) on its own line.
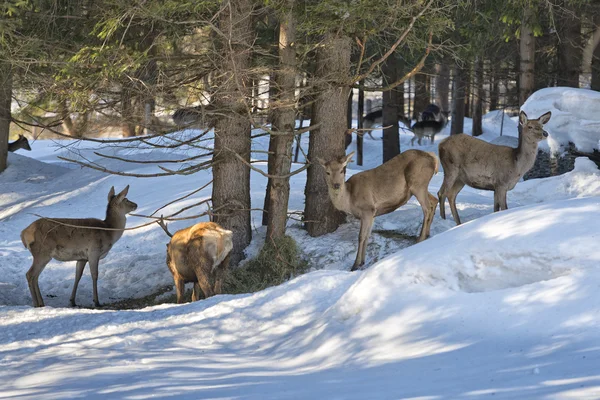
point(220, 275)
point(366, 224)
point(180, 288)
point(433, 201)
point(412, 141)
point(449, 180)
point(456, 188)
point(94, 271)
point(78, 272)
point(500, 200)
point(203, 280)
point(196, 292)
point(32, 279)
point(425, 200)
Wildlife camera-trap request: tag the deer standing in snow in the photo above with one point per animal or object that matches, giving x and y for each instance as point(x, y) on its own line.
point(382, 190)
point(199, 254)
point(482, 165)
point(82, 240)
point(20, 143)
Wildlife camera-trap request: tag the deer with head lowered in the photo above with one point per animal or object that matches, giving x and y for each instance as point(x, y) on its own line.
point(82, 240)
point(198, 254)
point(382, 190)
point(482, 165)
point(20, 143)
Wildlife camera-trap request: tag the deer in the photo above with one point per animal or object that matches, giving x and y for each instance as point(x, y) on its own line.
point(198, 254)
point(20, 143)
point(482, 165)
point(382, 190)
point(85, 240)
point(429, 123)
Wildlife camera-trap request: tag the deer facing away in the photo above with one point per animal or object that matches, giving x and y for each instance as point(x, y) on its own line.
point(481, 165)
point(382, 190)
point(199, 254)
point(20, 143)
point(82, 240)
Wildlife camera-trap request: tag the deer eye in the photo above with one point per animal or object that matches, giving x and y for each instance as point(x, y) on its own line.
point(328, 173)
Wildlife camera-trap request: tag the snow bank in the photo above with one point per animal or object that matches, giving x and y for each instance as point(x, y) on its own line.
point(575, 116)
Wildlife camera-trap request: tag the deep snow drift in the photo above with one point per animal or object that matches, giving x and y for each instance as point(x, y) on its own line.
point(505, 305)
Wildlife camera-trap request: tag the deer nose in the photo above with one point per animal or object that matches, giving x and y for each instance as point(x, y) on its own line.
point(336, 185)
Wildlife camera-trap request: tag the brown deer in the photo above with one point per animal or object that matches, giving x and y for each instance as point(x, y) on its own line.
point(82, 240)
point(199, 254)
point(481, 165)
point(20, 143)
point(382, 190)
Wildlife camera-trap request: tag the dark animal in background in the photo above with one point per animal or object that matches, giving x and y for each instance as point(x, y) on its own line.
point(375, 118)
point(187, 116)
point(485, 166)
point(20, 143)
point(431, 122)
point(199, 254)
point(82, 240)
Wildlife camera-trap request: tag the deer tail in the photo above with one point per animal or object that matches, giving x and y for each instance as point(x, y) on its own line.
point(28, 237)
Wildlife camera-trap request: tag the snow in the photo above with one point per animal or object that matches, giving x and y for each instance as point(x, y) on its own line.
point(505, 305)
point(575, 116)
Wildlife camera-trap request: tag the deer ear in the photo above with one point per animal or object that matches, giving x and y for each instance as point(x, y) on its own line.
point(522, 118)
point(111, 193)
point(348, 158)
point(122, 195)
point(545, 118)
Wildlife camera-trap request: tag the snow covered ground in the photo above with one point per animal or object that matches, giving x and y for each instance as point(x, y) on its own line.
point(505, 306)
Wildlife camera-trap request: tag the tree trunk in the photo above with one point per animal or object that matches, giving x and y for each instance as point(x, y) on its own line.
point(400, 88)
point(348, 138)
point(283, 121)
point(391, 139)
point(231, 176)
point(527, 56)
point(421, 94)
point(5, 115)
point(478, 94)
point(468, 92)
point(592, 53)
point(127, 112)
point(494, 86)
point(327, 140)
point(458, 100)
point(360, 125)
point(442, 79)
point(569, 49)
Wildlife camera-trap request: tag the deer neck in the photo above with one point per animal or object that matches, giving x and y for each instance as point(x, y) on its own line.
point(340, 197)
point(526, 153)
point(115, 220)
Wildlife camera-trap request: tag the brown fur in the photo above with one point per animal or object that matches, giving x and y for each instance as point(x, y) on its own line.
point(481, 165)
point(382, 190)
point(199, 254)
point(54, 238)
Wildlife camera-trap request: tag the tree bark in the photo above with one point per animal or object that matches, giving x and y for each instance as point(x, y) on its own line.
point(231, 176)
point(596, 69)
point(494, 87)
point(421, 94)
point(527, 57)
point(458, 100)
point(283, 121)
point(5, 114)
point(348, 138)
point(442, 80)
point(478, 94)
point(327, 140)
point(360, 124)
point(569, 49)
point(391, 139)
point(593, 49)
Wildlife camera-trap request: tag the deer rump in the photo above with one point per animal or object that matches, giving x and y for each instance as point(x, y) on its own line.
point(199, 254)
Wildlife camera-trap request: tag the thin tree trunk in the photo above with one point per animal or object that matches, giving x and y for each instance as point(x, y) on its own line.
point(348, 138)
point(231, 176)
point(478, 94)
point(391, 140)
point(569, 47)
point(5, 115)
point(360, 135)
point(421, 94)
point(468, 91)
point(590, 65)
point(494, 86)
point(527, 55)
point(596, 69)
point(327, 141)
point(283, 121)
point(458, 100)
point(127, 111)
point(442, 80)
